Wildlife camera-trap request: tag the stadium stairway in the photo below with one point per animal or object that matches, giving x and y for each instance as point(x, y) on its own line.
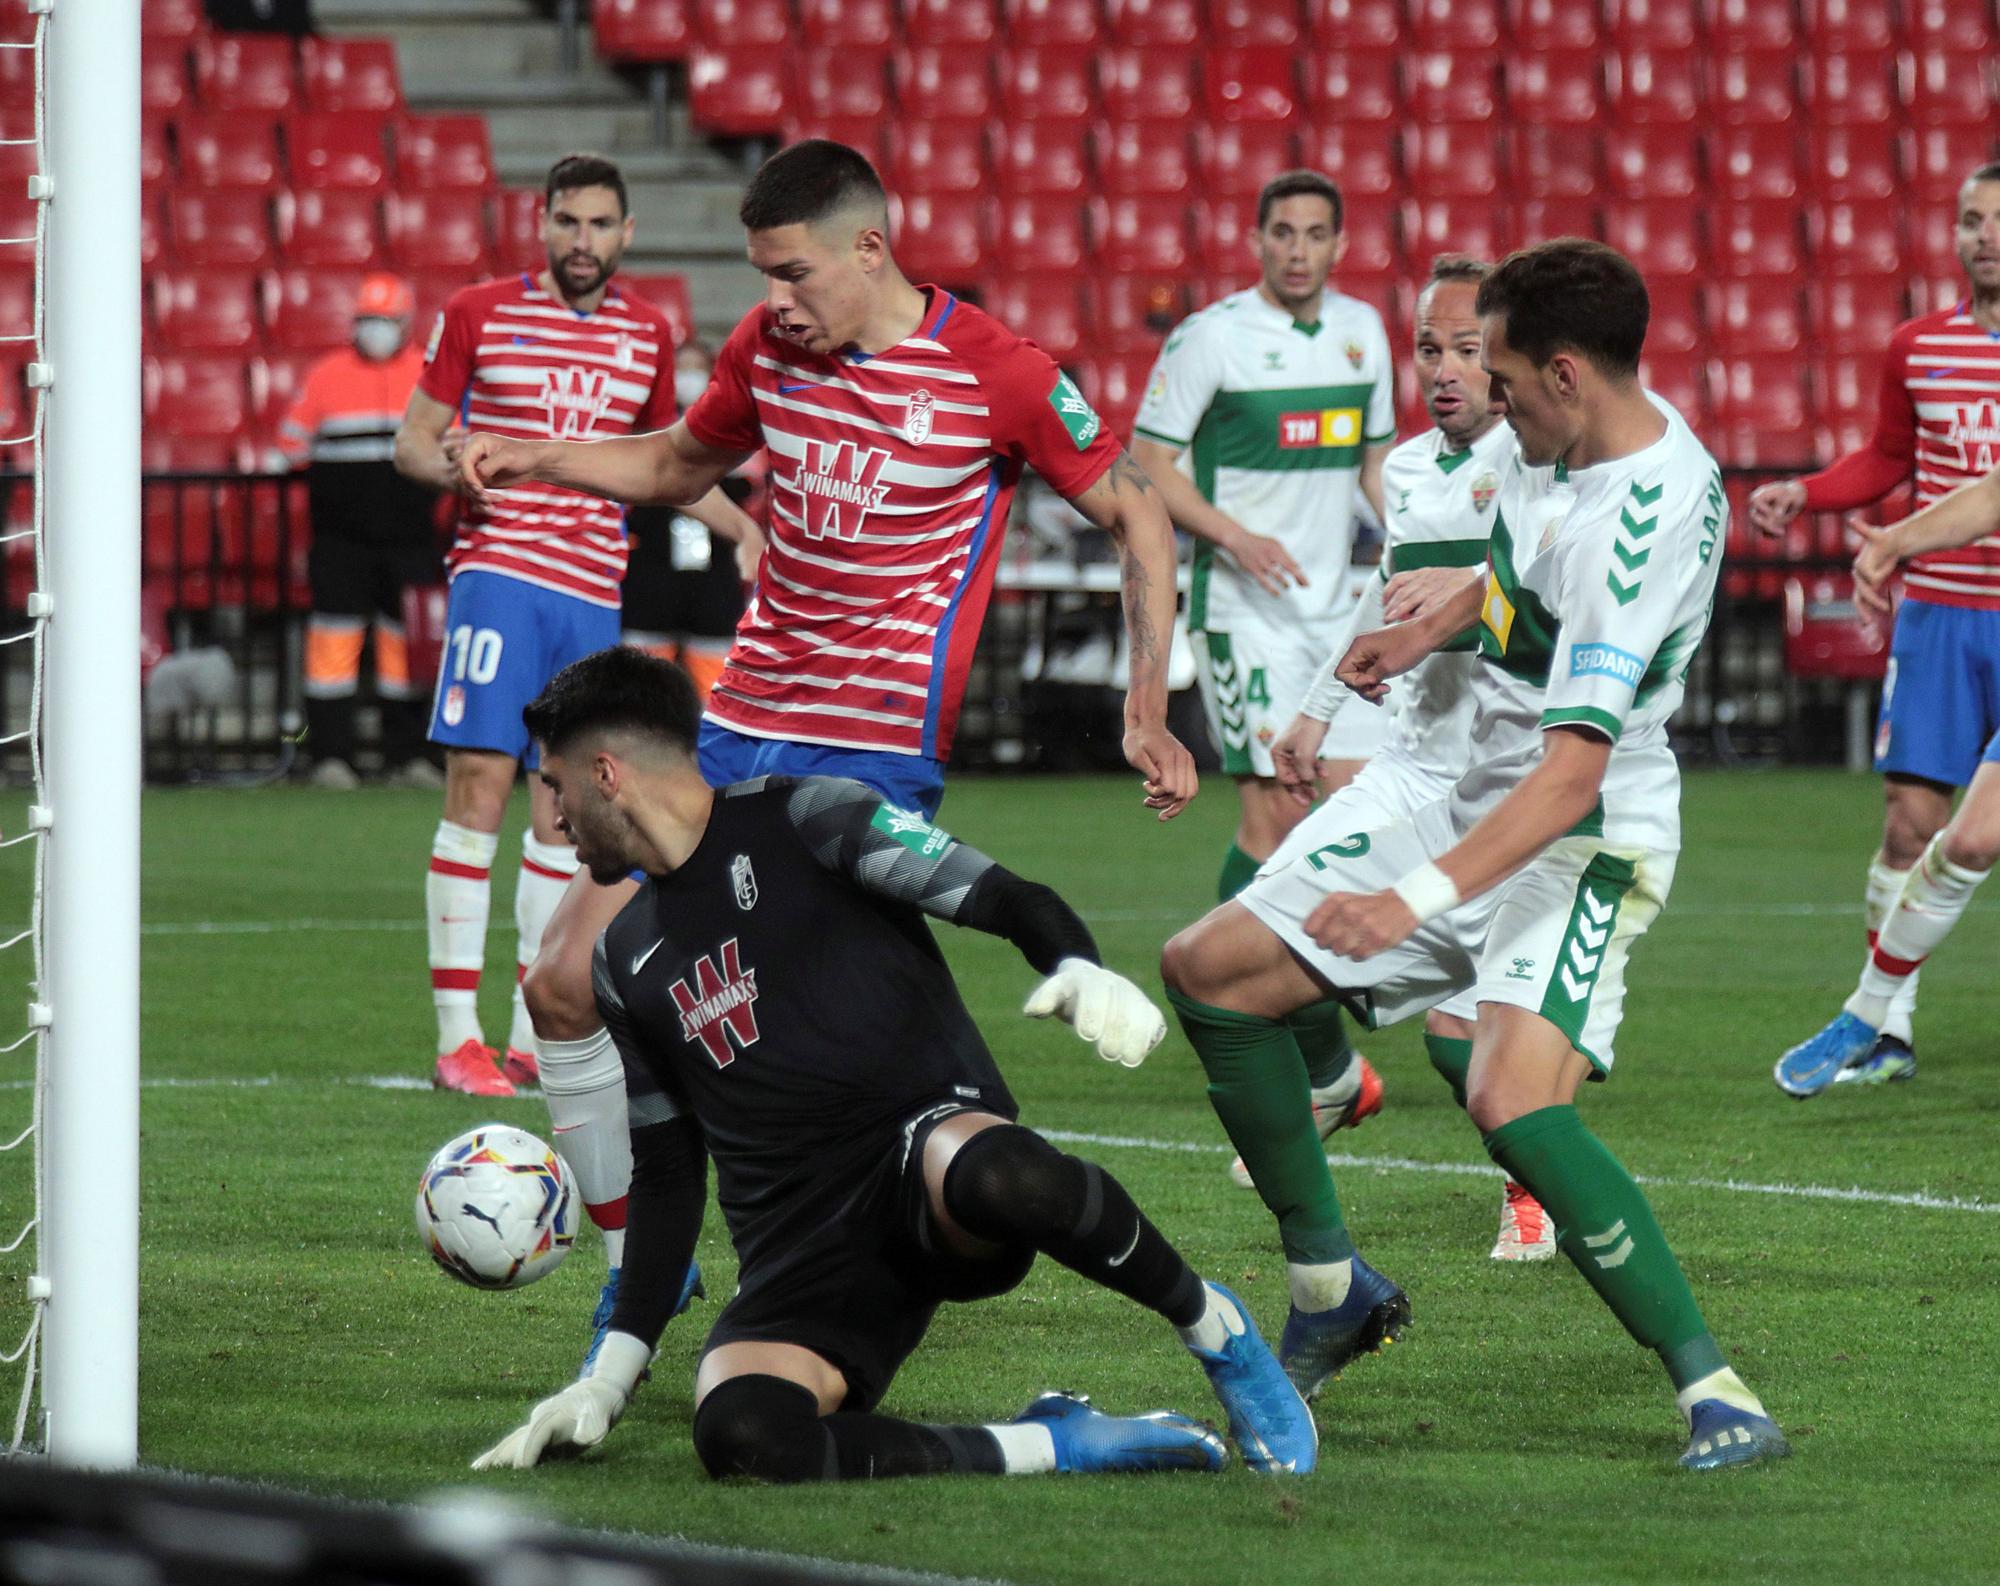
point(503, 59)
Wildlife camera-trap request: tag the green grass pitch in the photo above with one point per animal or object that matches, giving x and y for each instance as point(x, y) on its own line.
point(293, 1331)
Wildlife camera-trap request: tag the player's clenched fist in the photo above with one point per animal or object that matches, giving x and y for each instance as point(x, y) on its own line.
point(1773, 506)
point(490, 462)
point(1359, 925)
point(1373, 658)
point(1103, 1007)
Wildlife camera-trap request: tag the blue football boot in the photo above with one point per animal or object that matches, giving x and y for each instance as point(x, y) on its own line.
point(607, 1302)
point(1891, 1062)
point(1271, 1424)
point(1812, 1065)
point(1721, 1435)
point(1319, 1344)
point(1090, 1442)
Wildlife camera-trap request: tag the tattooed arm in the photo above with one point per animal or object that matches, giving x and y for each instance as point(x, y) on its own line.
point(1126, 505)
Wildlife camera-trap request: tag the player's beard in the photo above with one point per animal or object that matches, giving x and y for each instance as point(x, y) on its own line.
point(601, 272)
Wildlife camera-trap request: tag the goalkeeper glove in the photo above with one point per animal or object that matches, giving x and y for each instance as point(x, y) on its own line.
point(579, 1416)
point(1104, 1008)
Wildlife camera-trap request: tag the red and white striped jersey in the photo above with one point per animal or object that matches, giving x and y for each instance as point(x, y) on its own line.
point(1939, 421)
point(891, 475)
point(517, 361)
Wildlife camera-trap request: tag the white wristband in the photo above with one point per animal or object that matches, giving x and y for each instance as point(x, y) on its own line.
point(621, 1361)
point(1428, 891)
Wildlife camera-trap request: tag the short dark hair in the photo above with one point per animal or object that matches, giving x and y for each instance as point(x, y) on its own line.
point(616, 690)
point(1570, 293)
point(1989, 172)
point(1458, 267)
point(806, 183)
point(584, 170)
point(1298, 184)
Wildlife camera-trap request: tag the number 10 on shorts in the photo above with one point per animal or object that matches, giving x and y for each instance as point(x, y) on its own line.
point(472, 655)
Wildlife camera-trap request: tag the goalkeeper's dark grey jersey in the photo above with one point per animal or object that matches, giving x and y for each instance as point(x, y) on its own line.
point(782, 987)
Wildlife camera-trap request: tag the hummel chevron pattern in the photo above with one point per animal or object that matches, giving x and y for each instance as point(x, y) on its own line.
point(1586, 945)
point(1614, 1236)
point(1630, 553)
point(1229, 704)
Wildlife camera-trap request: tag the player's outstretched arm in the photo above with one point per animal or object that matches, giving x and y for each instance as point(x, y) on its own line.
point(1262, 557)
point(1967, 514)
point(1373, 658)
point(1123, 503)
point(717, 512)
point(421, 453)
point(670, 466)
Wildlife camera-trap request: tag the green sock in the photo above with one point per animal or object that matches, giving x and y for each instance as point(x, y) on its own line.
point(1322, 1037)
point(1606, 1228)
point(1238, 869)
point(1257, 1085)
point(1451, 1058)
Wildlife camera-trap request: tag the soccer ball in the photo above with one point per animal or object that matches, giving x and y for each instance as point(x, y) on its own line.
point(496, 1208)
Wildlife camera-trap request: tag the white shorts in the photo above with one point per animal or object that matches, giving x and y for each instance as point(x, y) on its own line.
point(1553, 939)
point(1253, 680)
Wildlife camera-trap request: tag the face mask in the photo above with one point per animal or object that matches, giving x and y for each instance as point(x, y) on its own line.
point(689, 384)
point(378, 339)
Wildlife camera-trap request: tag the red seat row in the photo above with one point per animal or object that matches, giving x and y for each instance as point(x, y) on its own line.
point(247, 229)
point(343, 149)
point(264, 73)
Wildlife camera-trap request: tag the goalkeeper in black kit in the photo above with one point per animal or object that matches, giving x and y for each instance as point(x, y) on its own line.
point(781, 1008)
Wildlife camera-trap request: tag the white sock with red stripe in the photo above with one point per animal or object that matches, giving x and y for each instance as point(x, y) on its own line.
point(458, 896)
point(546, 869)
point(1933, 898)
point(1884, 887)
point(584, 1084)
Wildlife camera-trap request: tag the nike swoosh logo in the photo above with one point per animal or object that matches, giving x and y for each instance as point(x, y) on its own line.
point(1938, 374)
point(1134, 1245)
point(639, 963)
point(787, 390)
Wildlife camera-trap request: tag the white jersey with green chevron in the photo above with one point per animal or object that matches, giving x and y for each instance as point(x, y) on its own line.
point(1274, 414)
point(1599, 588)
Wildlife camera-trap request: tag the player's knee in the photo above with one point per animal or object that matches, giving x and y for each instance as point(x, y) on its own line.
point(1491, 1102)
point(1007, 1184)
point(557, 991)
point(764, 1427)
point(1186, 964)
point(1970, 846)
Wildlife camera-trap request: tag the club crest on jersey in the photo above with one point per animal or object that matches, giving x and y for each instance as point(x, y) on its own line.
point(624, 350)
point(576, 400)
point(454, 705)
point(841, 484)
point(917, 422)
point(1353, 351)
point(1484, 489)
point(743, 882)
point(720, 1008)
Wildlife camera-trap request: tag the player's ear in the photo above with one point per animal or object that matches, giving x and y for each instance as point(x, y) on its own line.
point(1566, 375)
point(871, 248)
point(606, 775)
point(1339, 246)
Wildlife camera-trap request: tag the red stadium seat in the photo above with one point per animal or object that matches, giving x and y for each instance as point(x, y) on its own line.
point(1949, 88)
point(443, 151)
point(156, 159)
point(847, 24)
point(1446, 160)
point(337, 150)
point(938, 238)
point(1653, 24)
point(1847, 389)
point(1759, 404)
point(229, 227)
point(1850, 89)
point(1852, 162)
point(229, 151)
point(1860, 238)
point(1475, 226)
point(1237, 158)
point(735, 24)
point(1552, 25)
point(1046, 83)
point(163, 82)
point(1352, 88)
point(1341, 25)
point(1146, 84)
point(1239, 23)
point(206, 310)
point(1138, 160)
point(1047, 309)
point(1361, 158)
point(1130, 313)
point(350, 74)
point(1251, 84)
point(1548, 162)
point(1940, 160)
point(1058, 24)
point(1753, 88)
point(17, 307)
point(736, 92)
point(1659, 234)
point(1750, 239)
point(1651, 162)
point(1471, 26)
point(1755, 316)
point(1653, 88)
point(1448, 87)
point(1822, 638)
point(1933, 258)
point(1540, 219)
point(1369, 224)
point(170, 22)
point(1833, 25)
point(275, 383)
point(518, 213)
point(1176, 23)
point(444, 230)
point(1115, 385)
point(1860, 313)
point(330, 228)
point(1553, 88)
point(1949, 25)
point(1674, 327)
point(844, 82)
point(936, 157)
point(1146, 236)
point(1735, 25)
point(433, 289)
point(1754, 163)
point(643, 30)
point(196, 396)
point(857, 132)
point(1041, 157)
point(310, 310)
point(1678, 377)
point(669, 294)
point(934, 82)
point(244, 71)
point(152, 228)
point(953, 24)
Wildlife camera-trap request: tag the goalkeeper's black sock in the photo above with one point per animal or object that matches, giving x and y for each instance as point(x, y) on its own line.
point(771, 1429)
point(1009, 1185)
